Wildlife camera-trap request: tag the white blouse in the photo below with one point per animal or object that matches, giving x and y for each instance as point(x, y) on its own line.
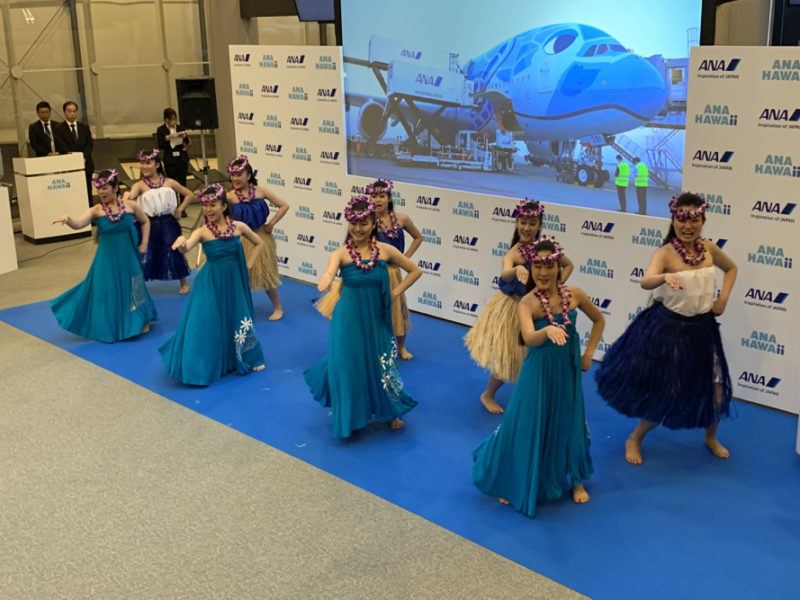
point(695, 296)
point(160, 201)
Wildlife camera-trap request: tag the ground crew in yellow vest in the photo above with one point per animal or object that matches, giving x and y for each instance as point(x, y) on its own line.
point(621, 181)
point(642, 175)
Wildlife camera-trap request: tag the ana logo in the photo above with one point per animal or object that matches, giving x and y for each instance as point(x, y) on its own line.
point(636, 275)
point(716, 114)
point(466, 209)
point(712, 159)
point(429, 266)
point(58, 183)
point(307, 268)
point(716, 204)
point(241, 60)
point(597, 267)
point(326, 94)
point(648, 237)
point(780, 118)
point(712, 65)
point(280, 234)
point(295, 60)
point(782, 70)
point(268, 62)
point(304, 212)
point(302, 182)
point(283, 261)
point(429, 236)
point(327, 156)
point(773, 211)
point(602, 304)
point(273, 149)
point(763, 342)
point(328, 126)
point(412, 54)
point(301, 153)
point(505, 215)
point(429, 80)
point(298, 123)
point(247, 147)
point(463, 306)
point(428, 203)
point(777, 164)
point(332, 245)
point(429, 299)
point(465, 241)
point(325, 63)
point(244, 90)
point(597, 229)
point(465, 276)
point(331, 189)
point(304, 239)
point(269, 91)
point(553, 223)
point(766, 299)
point(721, 242)
point(501, 249)
point(358, 190)
point(271, 121)
point(771, 256)
point(752, 380)
point(246, 118)
point(298, 93)
point(331, 216)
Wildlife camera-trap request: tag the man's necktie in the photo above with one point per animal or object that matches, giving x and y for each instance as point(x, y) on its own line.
point(50, 136)
point(74, 132)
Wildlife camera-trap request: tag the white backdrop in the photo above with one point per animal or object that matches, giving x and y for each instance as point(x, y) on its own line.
point(289, 111)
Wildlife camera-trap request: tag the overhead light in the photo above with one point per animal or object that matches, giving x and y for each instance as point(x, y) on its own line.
point(29, 18)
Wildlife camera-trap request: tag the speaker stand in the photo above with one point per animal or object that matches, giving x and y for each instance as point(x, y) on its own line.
point(203, 170)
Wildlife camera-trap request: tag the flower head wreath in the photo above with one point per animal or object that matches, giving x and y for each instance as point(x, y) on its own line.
point(683, 214)
point(109, 179)
point(382, 186)
point(537, 259)
point(145, 156)
point(238, 165)
point(353, 215)
point(211, 194)
point(528, 209)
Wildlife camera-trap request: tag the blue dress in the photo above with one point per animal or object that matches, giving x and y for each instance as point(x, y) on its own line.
point(215, 334)
point(253, 214)
point(358, 376)
point(401, 319)
point(543, 438)
point(112, 302)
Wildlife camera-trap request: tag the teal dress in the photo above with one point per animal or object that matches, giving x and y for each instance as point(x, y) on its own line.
point(111, 303)
point(541, 448)
point(215, 334)
point(358, 377)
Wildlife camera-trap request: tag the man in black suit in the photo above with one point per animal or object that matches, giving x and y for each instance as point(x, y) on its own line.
point(74, 136)
point(40, 133)
point(173, 143)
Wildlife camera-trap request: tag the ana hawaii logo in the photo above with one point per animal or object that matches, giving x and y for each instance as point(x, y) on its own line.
point(429, 236)
point(712, 159)
point(325, 63)
point(501, 249)
point(275, 179)
point(331, 245)
point(716, 204)
point(268, 62)
point(551, 222)
point(58, 183)
point(271, 121)
point(716, 114)
point(398, 199)
point(467, 276)
point(466, 209)
point(765, 299)
point(780, 118)
point(247, 147)
point(758, 382)
point(307, 268)
point(773, 211)
point(331, 189)
point(782, 70)
point(304, 212)
point(298, 93)
point(430, 300)
point(771, 256)
point(329, 126)
point(598, 229)
point(719, 68)
point(636, 313)
point(279, 234)
point(778, 164)
point(763, 341)
point(602, 346)
point(648, 237)
point(300, 153)
point(244, 90)
point(597, 267)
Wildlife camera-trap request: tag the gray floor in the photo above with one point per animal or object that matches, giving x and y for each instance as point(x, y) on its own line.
point(110, 491)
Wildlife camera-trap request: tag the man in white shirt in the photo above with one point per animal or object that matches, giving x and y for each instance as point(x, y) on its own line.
point(40, 133)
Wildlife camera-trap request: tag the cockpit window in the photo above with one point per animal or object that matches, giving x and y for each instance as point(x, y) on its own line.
point(618, 47)
point(560, 41)
point(602, 49)
point(590, 51)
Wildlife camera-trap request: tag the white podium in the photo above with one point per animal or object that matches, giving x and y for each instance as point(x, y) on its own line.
point(8, 252)
point(48, 187)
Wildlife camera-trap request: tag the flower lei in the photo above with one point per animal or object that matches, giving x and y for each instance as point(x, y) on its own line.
point(234, 168)
point(352, 216)
point(534, 257)
point(394, 231)
point(153, 186)
point(114, 217)
point(251, 195)
point(381, 186)
point(355, 255)
point(143, 156)
point(683, 214)
point(210, 194)
point(99, 182)
point(227, 235)
point(527, 250)
point(563, 291)
point(525, 211)
point(699, 247)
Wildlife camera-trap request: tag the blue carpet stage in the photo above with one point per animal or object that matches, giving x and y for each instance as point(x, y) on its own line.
point(684, 525)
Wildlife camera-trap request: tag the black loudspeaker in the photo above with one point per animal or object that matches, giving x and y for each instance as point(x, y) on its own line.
point(197, 103)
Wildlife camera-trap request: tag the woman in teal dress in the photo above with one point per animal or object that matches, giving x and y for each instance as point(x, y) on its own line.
point(358, 376)
point(540, 451)
point(215, 334)
point(111, 303)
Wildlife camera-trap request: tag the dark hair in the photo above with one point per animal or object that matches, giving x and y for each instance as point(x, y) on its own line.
point(169, 113)
point(530, 205)
point(67, 103)
point(237, 162)
point(685, 199)
point(380, 183)
point(543, 246)
point(43, 104)
point(361, 206)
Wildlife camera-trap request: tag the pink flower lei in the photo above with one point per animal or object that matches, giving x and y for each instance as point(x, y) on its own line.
point(114, 217)
point(352, 215)
point(211, 194)
point(563, 291)
point(251, 194)
point(381, 186)
point(144, 156)
point(682, 214)
point(220, 235)
point(533, 257)
point(394, 231)
point(355, 255)
point(236, 169)
point(153, 186)
point(99, 182)
point(699, 248)
point(524, 210)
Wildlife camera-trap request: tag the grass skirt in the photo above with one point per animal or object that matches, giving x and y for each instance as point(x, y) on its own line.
point(264, 274)
point(665, 367)
point(493, 341)
point(327, 303)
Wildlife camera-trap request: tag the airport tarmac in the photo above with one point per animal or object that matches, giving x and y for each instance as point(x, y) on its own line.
point(524, 181)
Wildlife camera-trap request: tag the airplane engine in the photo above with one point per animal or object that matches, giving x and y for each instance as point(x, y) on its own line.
point(371, 121)
point(542, 153)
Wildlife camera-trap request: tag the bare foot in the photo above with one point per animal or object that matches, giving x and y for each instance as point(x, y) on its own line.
point(276, 315)
point(490, 404)
point(259, 368)
point(633, 451)
point(146, 328)
point(184, 290)
point(579, 494)
point(503, 501)
point(405, 354)
point(716, 448)
point(396, 423)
